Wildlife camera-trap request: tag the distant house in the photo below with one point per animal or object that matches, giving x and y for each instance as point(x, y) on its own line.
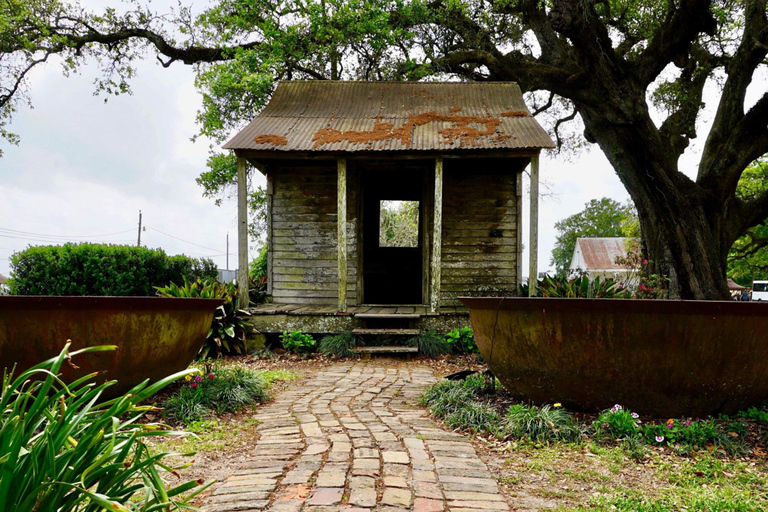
point(597, 258)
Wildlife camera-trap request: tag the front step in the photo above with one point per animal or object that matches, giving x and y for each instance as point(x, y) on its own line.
point(386, 332)
point(387, 316)
point(367, 352)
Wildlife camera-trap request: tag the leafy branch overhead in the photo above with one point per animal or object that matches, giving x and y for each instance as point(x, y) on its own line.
point(632, 73)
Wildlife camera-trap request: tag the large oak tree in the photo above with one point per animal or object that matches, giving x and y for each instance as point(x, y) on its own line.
point(610, 64)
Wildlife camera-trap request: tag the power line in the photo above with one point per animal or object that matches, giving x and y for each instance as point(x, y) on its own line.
point(181, 239)
point(17, 232)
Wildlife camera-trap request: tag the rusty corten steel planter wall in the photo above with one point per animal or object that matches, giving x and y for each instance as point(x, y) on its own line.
point(665, 358)
point(155, 336)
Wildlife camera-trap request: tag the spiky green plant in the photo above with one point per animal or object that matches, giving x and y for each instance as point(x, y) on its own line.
point(541, 424)
point(430, 344)
point(340, 345)
point(63, 450)
point(227, 334)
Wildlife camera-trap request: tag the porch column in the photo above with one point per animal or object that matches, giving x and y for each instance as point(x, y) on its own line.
point(242, 232)
point(341, 222)
point(519, 228)
point(533, 250)
point(437, 239)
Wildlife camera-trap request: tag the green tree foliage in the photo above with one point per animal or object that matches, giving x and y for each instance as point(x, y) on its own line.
point(630, 72)
point(101, 270)
point(220, 182)
point(748, 258)
point(399, 224)
point(599, 218)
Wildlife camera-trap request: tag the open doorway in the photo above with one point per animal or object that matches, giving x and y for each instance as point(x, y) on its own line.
point(393, 209)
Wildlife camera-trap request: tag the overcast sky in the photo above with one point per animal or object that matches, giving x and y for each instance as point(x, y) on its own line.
point(84, 169)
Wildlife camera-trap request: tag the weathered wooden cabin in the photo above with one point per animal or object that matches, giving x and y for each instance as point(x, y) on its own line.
point(334, 154)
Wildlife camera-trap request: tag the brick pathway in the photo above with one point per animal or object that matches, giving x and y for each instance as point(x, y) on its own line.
point(353, 439)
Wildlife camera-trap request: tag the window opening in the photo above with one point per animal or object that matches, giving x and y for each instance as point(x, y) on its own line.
point(399, 223)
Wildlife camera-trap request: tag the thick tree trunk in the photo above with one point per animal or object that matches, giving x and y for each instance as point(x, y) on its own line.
point(682, 228)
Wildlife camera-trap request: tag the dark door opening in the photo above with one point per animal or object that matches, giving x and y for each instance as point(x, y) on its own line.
point(392, 235)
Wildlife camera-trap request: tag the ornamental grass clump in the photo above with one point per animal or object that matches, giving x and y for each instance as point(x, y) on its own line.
point(456, 402)
point(541, 424)
point(62, 450)
point(339, 345)
point(430, 344)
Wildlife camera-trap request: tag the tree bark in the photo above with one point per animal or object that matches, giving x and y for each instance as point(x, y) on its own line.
point(682, 229)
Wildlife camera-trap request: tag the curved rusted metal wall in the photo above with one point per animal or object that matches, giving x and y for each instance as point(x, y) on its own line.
point(664, 358)
point(155, 336)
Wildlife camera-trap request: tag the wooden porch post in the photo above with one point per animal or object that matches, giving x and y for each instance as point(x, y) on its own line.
point(242, 232)
point(437, 239)
point(341, 222)
point(533, 250)
point(519, 227)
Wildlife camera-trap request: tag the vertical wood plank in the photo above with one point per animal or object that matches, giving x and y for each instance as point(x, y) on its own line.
point(242, 232)
point(533, 250)
point(270, 236)
point(437, 238)
point(519, 211)
point(341, 236)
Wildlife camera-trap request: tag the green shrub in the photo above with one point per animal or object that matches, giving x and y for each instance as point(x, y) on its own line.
point(430, 344)
point(257, 278)
point(227, 334)
point(690, 435)
point(617, 423)
point(62, 450)
point(462, 341)
point(340, 345)
point(218, 390)
point(258, 267)
point(100, 270)
point(755, 414)
point(541, 424)
point(297, 342)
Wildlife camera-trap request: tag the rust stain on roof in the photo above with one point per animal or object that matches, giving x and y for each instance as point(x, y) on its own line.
point(515, 113)
point(461, 130)
point(269, 138)
point(326, 116)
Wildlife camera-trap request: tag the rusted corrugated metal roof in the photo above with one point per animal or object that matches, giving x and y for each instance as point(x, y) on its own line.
point(601, 253)
point(392, 116)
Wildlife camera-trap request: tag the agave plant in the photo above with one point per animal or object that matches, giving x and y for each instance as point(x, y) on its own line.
point(227, 334)
point(582, 287)
point(61, 449)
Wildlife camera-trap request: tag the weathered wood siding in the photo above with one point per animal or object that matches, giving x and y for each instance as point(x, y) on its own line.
point(304, 252)
point(479, 236)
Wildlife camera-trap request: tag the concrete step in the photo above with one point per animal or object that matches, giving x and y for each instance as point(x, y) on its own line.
point(386, 350)
point(387, 316)
point(391, 332)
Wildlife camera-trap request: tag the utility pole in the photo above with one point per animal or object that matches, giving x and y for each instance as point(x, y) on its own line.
point(227, 250)
point(138, 244)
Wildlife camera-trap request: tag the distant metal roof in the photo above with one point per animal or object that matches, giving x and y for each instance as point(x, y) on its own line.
point(601, 253)
point(321, 116)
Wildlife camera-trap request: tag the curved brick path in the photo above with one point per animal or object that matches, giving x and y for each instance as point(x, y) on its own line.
point(353, 439)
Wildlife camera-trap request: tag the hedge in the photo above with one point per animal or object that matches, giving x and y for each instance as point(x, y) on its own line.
point(101, 270)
